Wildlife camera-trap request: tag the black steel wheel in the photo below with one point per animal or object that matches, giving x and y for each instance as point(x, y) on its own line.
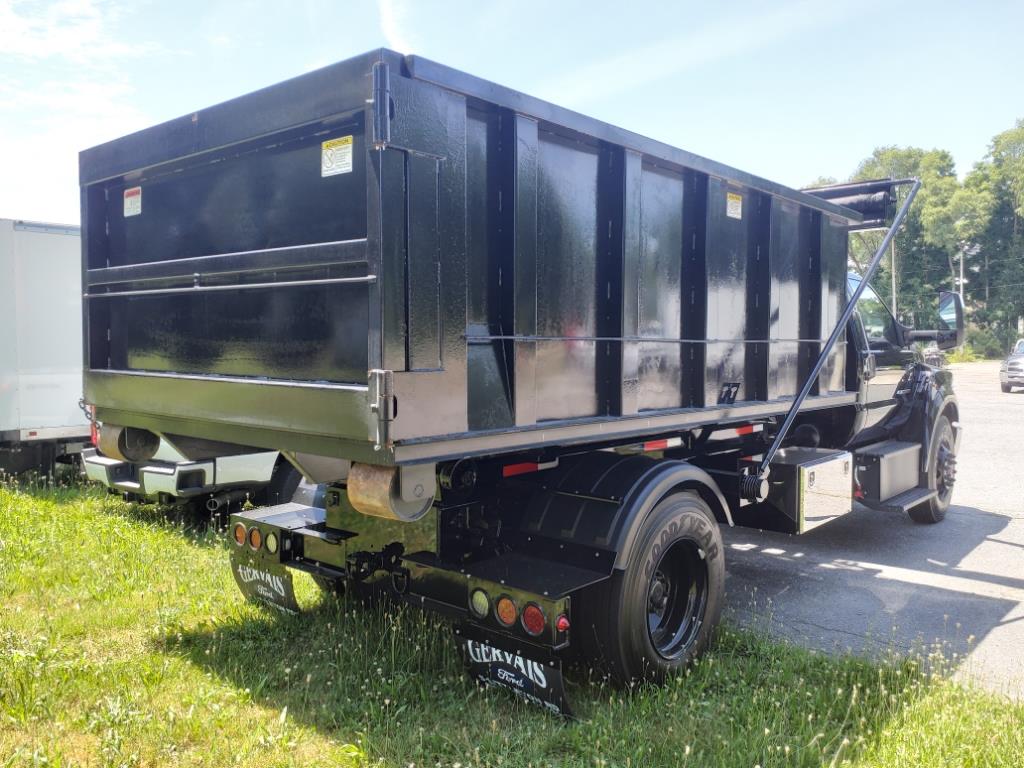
point(659, 613)
point(941, 474)
point(676, 599)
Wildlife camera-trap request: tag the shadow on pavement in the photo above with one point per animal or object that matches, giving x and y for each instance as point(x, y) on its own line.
point(873, 581)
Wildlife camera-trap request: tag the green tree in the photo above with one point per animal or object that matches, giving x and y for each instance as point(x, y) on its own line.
point(979, 220)
point(926, 244)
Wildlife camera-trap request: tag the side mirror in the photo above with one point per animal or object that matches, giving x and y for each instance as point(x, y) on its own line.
point(951, 320)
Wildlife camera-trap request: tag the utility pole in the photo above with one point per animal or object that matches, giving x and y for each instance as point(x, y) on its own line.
point(961, 275)
point(892, 269)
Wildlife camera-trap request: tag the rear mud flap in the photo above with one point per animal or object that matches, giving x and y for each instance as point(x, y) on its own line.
point(532, 673)
point(264, 582)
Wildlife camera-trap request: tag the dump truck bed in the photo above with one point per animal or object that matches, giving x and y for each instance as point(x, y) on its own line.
point(390, 261)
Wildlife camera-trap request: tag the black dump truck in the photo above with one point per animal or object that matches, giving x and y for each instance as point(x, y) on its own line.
point(532, 361)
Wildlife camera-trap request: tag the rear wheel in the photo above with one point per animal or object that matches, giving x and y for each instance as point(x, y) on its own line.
point(658, 614)
point(1006, 387)
point(941, 474)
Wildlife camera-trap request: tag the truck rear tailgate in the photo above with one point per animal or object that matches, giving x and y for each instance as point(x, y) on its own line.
point(229, 259)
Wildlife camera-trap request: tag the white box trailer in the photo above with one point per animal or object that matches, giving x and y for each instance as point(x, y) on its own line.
point(40, 345)
point(41, 421)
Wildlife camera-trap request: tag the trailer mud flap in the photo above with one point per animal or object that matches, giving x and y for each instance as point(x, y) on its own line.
point(263, 582)
point(531, 673)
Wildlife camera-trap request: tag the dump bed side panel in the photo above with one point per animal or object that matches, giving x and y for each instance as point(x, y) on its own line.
point(618, 285)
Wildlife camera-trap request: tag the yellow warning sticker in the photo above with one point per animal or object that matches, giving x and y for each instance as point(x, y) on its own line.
point(733, 205)
point(336, 156)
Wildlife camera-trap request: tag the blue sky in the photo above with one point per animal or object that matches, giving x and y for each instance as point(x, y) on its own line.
point(790, 90)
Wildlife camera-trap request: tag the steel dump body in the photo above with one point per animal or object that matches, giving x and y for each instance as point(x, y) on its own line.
point(469, 271)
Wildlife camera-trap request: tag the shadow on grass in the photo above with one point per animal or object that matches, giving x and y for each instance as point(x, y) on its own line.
point(393, 677)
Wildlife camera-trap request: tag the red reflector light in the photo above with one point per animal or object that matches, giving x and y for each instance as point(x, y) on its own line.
point(661, 445)
point(511, 470)
point(534, 620)
point(239, 534)
point(255, 538)
point(562, 623)
point(506, 611)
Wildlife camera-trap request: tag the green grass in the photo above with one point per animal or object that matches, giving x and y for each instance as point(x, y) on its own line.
point(123, 641)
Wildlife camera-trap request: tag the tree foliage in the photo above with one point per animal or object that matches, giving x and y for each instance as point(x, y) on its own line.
point(979, 220)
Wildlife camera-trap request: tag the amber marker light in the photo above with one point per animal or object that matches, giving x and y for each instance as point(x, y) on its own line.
point(505, 610)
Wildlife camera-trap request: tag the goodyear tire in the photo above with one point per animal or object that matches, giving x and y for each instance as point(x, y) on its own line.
point(941, 474)
point(653, 618)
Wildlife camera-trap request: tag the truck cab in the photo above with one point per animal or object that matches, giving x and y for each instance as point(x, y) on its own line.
point(906, 430)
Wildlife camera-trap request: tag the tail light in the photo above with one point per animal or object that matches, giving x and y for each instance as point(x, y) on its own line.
point(479, 603)
point(506, 611)
point(255, 538)
point(239, 534)
point(94, 428)
point(271, 543)
point(534, 620)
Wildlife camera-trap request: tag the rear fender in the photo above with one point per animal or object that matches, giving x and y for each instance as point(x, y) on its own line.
point(667, 476)
point(600, 500)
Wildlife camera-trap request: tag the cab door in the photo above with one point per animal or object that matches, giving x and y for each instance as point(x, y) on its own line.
point(888, 358)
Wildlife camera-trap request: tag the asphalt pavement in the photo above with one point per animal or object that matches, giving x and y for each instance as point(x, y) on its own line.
point(871, 582)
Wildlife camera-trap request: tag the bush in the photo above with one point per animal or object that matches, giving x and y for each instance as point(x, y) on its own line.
point(962, 354)
point(984, 343)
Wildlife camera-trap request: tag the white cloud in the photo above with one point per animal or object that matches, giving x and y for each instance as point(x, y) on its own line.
point(74, 30)
point(64, 89)
point(727, 36)
point(392, 16)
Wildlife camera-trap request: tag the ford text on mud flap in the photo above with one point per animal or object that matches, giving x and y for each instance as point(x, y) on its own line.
point(264, 582)
point(531, 672)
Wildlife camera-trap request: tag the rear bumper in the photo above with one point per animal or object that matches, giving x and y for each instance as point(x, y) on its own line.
point(179, 479)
